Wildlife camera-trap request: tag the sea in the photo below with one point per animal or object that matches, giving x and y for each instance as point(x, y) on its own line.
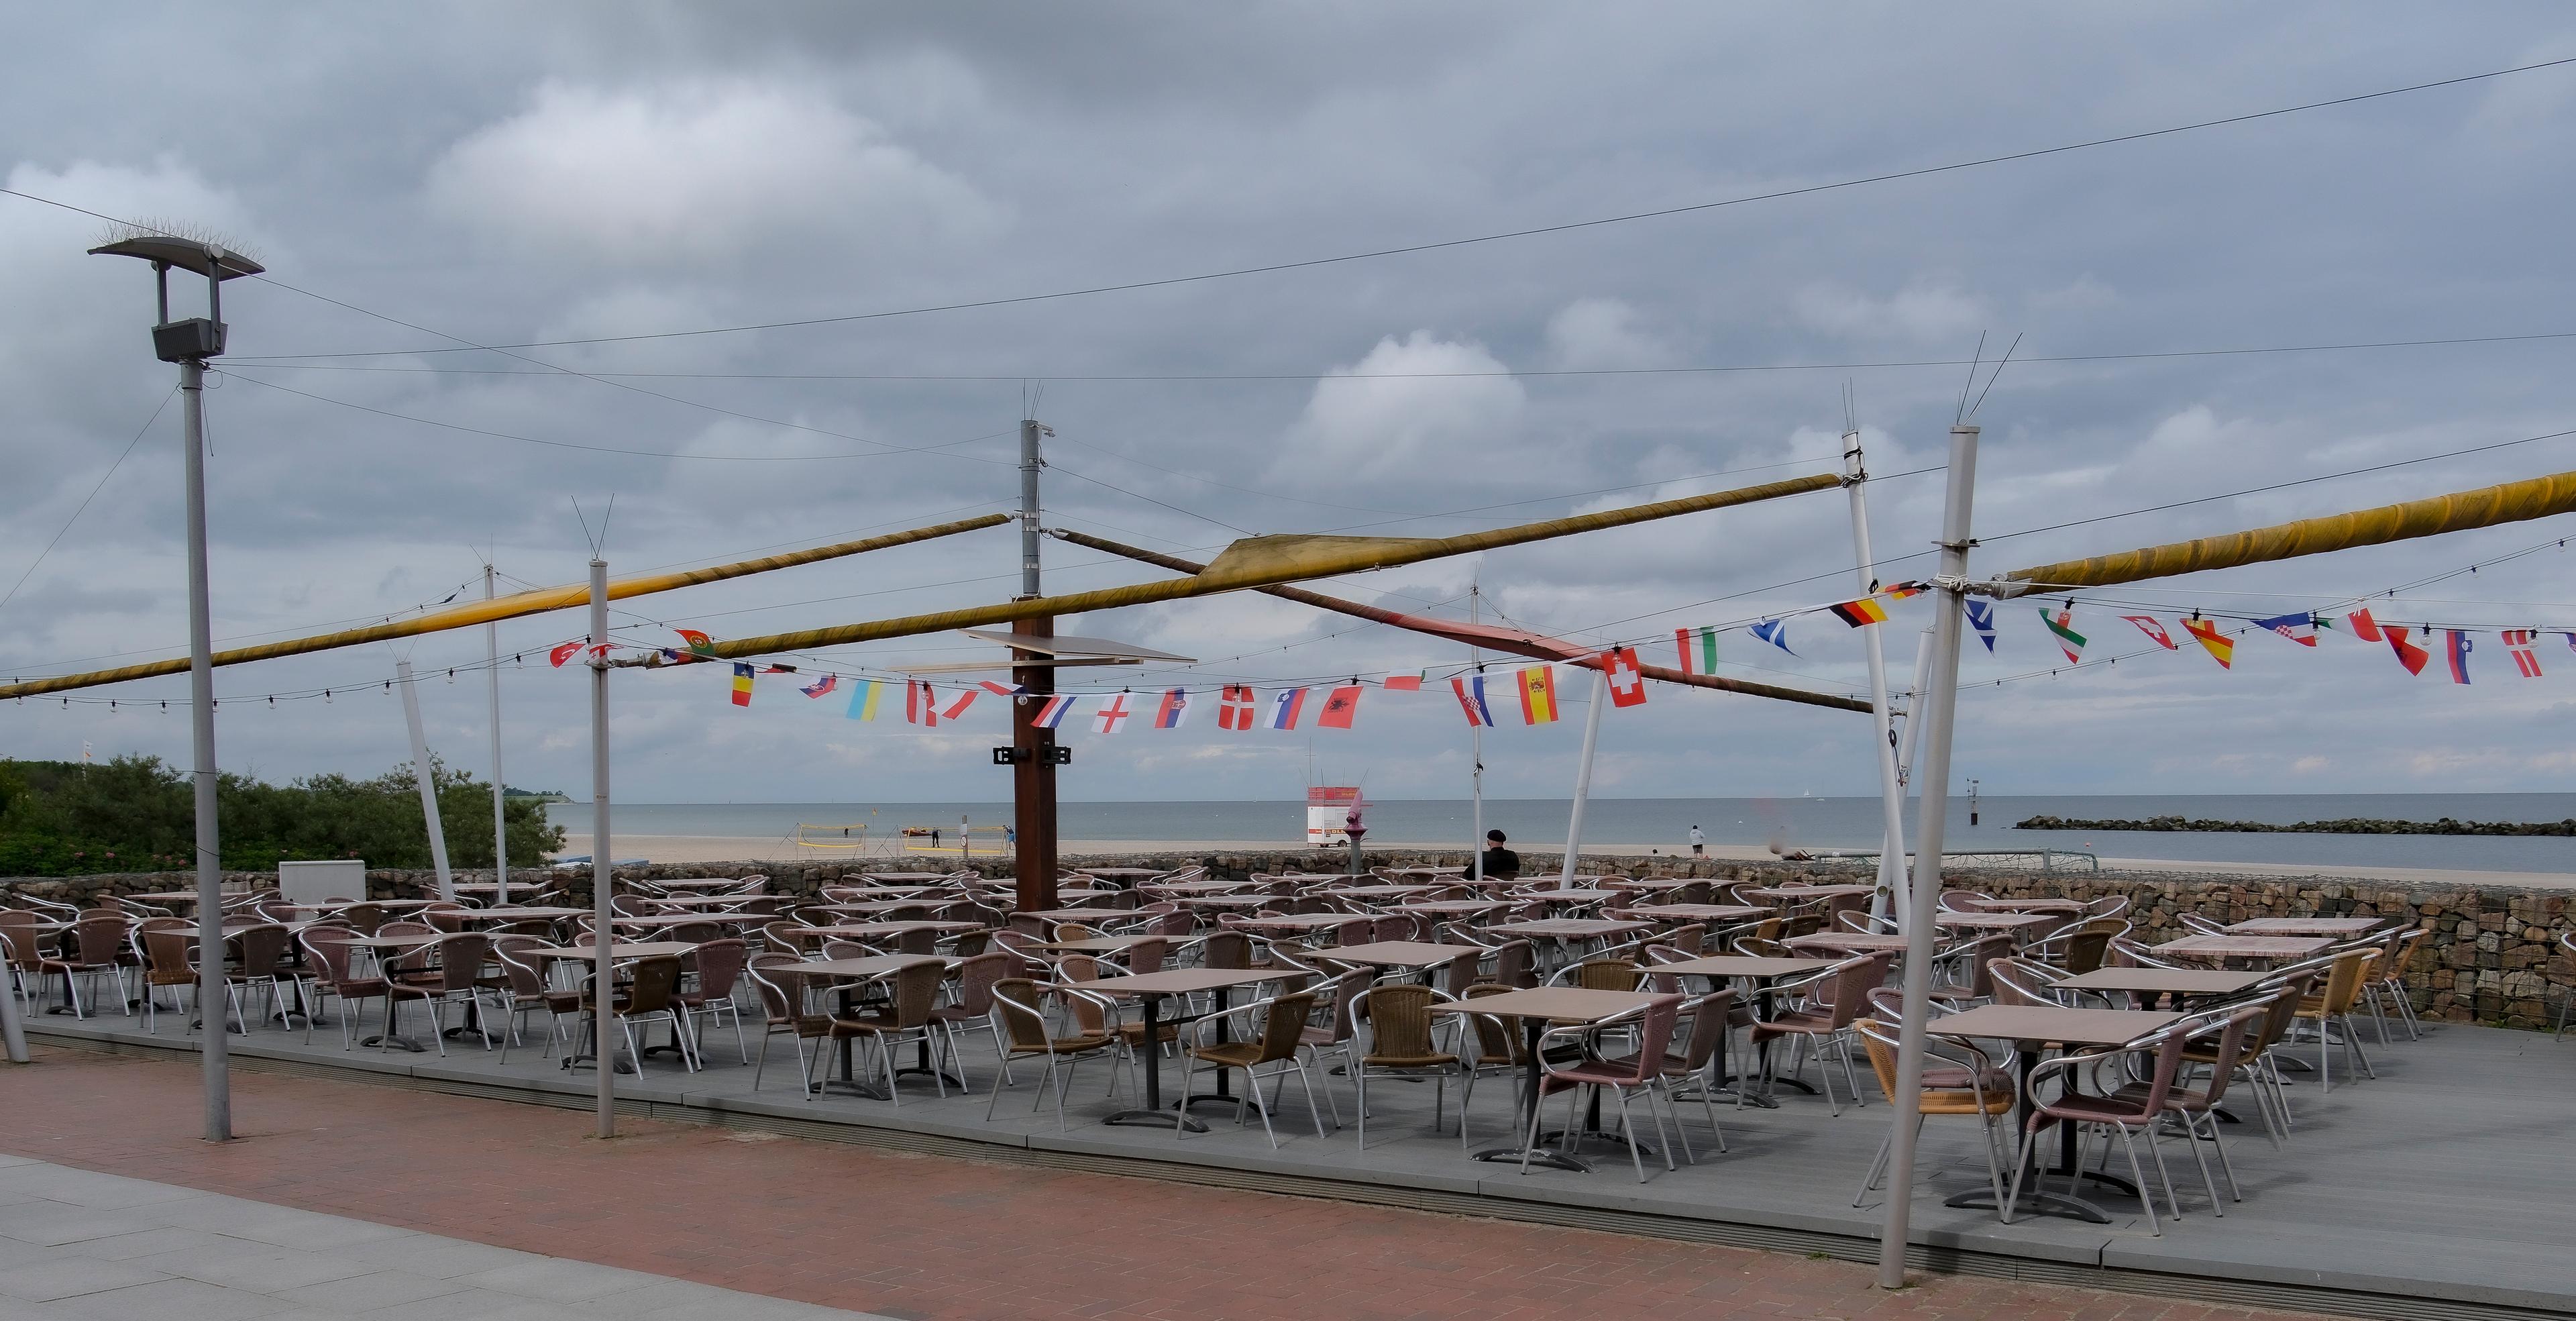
point(1812, 824)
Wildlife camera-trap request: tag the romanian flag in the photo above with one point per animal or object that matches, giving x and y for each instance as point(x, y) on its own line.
point(1698, 647)
point(2220, 647)
point(1538, 695)
point(1865, 611)
point(863, 699)
point(741, 683)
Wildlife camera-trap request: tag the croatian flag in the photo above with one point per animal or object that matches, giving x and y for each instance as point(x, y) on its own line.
point(1285, 706)
point(1113, 714)
point(2301, 629)
point(821, 686)
point(1174, 708)
point(1981, 617)
point(1470, 689)
point(2455, 649)
point(1051, 712)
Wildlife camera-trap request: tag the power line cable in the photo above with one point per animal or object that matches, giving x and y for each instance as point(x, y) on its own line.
point(60, 532)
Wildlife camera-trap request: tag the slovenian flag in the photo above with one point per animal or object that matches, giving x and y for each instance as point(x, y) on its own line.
point(741, 683)
point(1285, 706)
point(1470, 689)
point(1051, 712)
point(2299, 628)
point(1698, 648)
point(821, 686)
point(2455, 649)
point(1173, 709)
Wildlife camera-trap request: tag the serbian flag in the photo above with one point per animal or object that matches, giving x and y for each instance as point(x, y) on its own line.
point(1173, 709)
point(1113, 714)
point(1627, 682)
point(1981, 617)
point(2220, 647)
point(2147, 624)
point(699, 643)
point(2408, 654)
point(1775, 632)
point(1404, 683)
point(1698, 648)
point(2455, 649)
point(2298, 628)
point(1470, 689)
point(1341, 706)
point(1285, 707)
point(1050, 713)
point(1234, 707)
point(821, 686)
point(863, 699)
point(2068, 640)
point(2518, 642)
point(1860, 613)
point(920, 707)
point(561, 652)
point(741, 683)
point(2363, 626)
point(1538, 695)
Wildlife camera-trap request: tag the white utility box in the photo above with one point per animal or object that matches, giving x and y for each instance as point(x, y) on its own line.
point(314, 882)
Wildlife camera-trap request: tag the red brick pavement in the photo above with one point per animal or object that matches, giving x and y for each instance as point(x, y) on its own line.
point(920, 1236)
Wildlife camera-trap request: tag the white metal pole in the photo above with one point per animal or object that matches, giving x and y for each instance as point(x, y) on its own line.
point(1476, 751)
point(500, 800)
point(1939, 702)
point(603, 936)
point(211, 987)
point(428, 783)
point(1583, 774)
point(1914, 713)
point(13, 1035)
point(1891, 791)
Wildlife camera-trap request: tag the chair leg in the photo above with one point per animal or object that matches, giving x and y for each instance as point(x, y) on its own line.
point(1878, 1162)
point(2146, 1191)
point(1628, 1130)
point(2225, 1166)
point(2191, 1134)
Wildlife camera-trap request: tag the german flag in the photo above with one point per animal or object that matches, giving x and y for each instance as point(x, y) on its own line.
point(1864, 611)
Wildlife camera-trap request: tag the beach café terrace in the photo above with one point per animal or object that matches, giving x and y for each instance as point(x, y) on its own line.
point(2255, 1112)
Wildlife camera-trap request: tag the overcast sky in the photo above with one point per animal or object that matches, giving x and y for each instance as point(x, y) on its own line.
point(512, 173)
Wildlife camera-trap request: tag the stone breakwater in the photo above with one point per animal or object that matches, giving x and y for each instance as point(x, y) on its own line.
point(2493, 956)
point(2349, 825)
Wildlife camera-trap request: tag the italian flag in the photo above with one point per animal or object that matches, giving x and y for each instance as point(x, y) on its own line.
point(1698, 649)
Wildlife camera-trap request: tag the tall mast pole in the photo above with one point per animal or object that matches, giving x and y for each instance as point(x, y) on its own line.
point(1583, 774)
point(1939, 701)
point(212, 992)
point(1033, 813)
point(500, 800)
point(1476, 748)
point(1891, 791)
point(427, 782)
point(603, 934)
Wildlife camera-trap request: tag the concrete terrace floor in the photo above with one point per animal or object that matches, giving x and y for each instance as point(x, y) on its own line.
point(2439, 1188)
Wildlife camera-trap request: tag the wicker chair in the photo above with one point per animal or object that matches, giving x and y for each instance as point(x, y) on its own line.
point(1823, 1024)
point(1639, 1070)
point(523, 987)
point(2226, 1040)
point(93, 946)
point(2130, 1115)
point(720, 965)
point(1283, 1036)
point(906, 1018)
point(782, 1004)
point(1400, 1043)
point(976, 978)
point(649, 994)
point(459, 972)
point(1020, 1019)
point(1598, 974)
point(327, 963)
point(1968, 1084)
point(260, 961)
point(2331, 1008)
point(20, 940)
point(167, 947)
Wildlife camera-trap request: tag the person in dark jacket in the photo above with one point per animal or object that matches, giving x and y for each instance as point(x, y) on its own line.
point(1500, 861)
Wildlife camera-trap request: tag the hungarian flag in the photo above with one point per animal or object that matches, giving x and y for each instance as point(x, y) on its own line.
point(1538, 695)
point(1173, 709)
point(821, 686)
point(2363, 626)
point(1627, 682)
point(2518, 642)
point(699, 643)
point(2299, 628)
point(1113, 714)
point(2455, 649)
point(1284, 708)
point(1470, 689)
point(1234, 707)
point(1698, 648)
point(1050, 713)
point(741, 683)
point(2220, 647)
point(1340, 706)
point(863, 699)
point(2068, 640)
point(2408, 654)
point(920, 707)
point(1862, 612)
point(2147, 624)
point(561, 652)
point(1404, 683)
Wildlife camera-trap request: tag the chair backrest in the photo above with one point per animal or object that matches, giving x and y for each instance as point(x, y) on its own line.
point(720, 965)
point(1018, 1007)
point(1961, 901)
point(1694, 892)
point(2165, 1049)
point(2199, 925)
point(1357, 931)
point(449, 918)
point(460, 959)
point(2109, 905)
point(365, 919)
point(1399, 1019)
point(2084, 950)
point(1709, 1015)
point(916, 992)
point(655, 979)
point(773, 975)
point(324, 952)
point(2344, 981)
point(524, 972)
point(1516, 964)
point(1400, 926)
point(969, 944)
point(919, 940)
point(1850, 984)
point(1226, 950)
point(694, 933)
point(2240, 1038)
point(1655, 1035)
point(98, 940)
point(1606, 975)
point(1147, 955)
point(18, 937)
point(1981, 954)
point(1496, 1038)
point(2016, 982)
point(1690, 938)
point(2130, 954)
point(414, 959)
point(849, 949)
point(976, 977)
point(780, 938)
point(1077, 968)
point(167, 957)
point(1459, 975)
point(1283, 1030)
point(264, 949)
point(1887, 1005)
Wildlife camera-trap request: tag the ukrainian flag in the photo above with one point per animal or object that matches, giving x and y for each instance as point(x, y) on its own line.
point(1538, 695)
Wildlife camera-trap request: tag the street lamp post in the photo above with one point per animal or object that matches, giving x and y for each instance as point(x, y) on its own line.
point(189, 343)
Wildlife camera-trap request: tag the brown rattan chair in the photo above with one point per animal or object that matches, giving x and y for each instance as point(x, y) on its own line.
point(523, 987)
point(458, 974)
point(1283, 1036)
point(720, 964)
point(329, 969)
point(976, 978)
point(782, 1004)
point(1838, 995)
point(1020, 1019)
point(93, 946)
point(904, 1018)
point(1401, 1043)
point(168, 947)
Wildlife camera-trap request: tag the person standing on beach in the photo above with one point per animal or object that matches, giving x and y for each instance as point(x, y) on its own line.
point(1699, 843)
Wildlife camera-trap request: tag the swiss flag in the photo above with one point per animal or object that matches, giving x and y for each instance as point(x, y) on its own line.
point(1627, 685)
point(2409, 655)
point(1340, 707)
point(1234, 707)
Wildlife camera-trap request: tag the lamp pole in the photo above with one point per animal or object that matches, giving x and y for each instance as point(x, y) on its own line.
point(189, 343)
point(500, 797)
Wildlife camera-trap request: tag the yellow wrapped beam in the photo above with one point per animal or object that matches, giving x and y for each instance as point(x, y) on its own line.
point(513, 606)
point(1261, 561)
point(2513, 502)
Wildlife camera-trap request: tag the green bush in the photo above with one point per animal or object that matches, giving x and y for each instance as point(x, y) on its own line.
point(136, 814)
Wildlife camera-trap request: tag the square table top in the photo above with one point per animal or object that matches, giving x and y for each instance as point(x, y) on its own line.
point(1573, 896)
point(1195, 887)
point(1652, 882)
point(1094, 945)
point(516, 914)
point(1997, 921)
point(863, 930)
point(2166, 981)
point(1132, 873)
point(389, 942)
point(2246, 947)
point(1743, 965)
point(1296, 922)
point(1452, 907)
point(873, 966)
point(1855, 942)
point(899, 876)
point(874, 905)
point(2024, 905)
point(688, 919)
point(697, 883)
point(1178, 981)
point(1378, 891)
point(1224, 900)
point(1559, 1004)
point(1402, 953)
point(1699, 912)
point(2052, 1025)
point(1570, 928)
point(1802, 893)
point(640, 949)
point(703, 900)
point(1085, 915)
point(336, 905)
point(2307, 926)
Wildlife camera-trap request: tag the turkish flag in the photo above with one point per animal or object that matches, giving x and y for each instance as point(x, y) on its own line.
point(2409, 655)
point(1627, 684)
point(563, 652)
point(1343, 704)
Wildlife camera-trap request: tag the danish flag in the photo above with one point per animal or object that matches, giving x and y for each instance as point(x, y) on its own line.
point(1234, 707)
point(2518, 641)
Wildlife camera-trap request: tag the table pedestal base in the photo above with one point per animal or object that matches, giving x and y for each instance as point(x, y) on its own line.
point(1155, 1119)
point(1552, 1159)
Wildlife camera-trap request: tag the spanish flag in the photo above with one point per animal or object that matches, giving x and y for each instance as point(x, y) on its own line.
point(2220, 647)
point(741, 684)
point(1864, 611)
point(1538, 695)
